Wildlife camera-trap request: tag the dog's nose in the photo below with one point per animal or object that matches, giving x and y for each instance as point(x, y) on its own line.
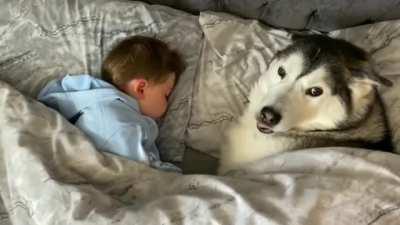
point(269, 116)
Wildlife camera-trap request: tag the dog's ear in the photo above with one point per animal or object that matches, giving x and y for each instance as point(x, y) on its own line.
point(362, 66)
point(301, 36)
point(365, 72)
point(298, 36)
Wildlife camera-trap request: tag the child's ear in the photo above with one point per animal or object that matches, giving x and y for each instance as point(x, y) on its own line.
point(136, 88)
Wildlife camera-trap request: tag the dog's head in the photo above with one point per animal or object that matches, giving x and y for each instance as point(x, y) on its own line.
point(317, 83)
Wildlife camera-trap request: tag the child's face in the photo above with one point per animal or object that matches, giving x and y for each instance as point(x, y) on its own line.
point(155, 101)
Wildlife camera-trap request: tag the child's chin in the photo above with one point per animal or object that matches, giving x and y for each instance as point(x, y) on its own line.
point(155, 116)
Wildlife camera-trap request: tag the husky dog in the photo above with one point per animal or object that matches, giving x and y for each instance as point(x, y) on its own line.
point(317, 92)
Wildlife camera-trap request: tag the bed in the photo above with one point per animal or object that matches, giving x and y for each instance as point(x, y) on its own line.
point(52, 174)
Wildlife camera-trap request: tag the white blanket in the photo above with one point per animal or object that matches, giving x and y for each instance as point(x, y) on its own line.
point(51, 174)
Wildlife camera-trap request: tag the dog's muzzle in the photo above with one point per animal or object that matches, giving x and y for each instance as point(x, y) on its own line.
point(267, 119)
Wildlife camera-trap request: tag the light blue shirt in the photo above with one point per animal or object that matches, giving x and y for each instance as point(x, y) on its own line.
point(110, 118)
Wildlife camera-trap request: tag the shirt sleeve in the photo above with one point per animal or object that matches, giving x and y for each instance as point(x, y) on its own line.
point(127, 141)
point(46, 95)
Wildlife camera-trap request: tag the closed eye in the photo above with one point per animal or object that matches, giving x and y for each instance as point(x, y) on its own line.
point(168, 95)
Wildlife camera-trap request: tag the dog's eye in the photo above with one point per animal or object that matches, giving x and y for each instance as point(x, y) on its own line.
point(314, 91)
point(281, 72)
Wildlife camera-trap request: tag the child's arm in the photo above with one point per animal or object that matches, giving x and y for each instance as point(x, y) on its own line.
point(130, 141)
point(126, 141)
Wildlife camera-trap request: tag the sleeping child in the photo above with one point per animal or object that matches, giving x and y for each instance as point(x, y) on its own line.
point(118, 113)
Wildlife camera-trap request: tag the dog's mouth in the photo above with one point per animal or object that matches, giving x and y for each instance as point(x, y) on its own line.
point(264, 128)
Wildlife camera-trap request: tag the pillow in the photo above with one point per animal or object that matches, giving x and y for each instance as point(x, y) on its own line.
point(45, 41)
point(237, 51)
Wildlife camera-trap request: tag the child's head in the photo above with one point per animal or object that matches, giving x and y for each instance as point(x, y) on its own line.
point(146, 69)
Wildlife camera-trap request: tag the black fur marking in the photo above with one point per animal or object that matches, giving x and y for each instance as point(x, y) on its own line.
point(339, 57)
